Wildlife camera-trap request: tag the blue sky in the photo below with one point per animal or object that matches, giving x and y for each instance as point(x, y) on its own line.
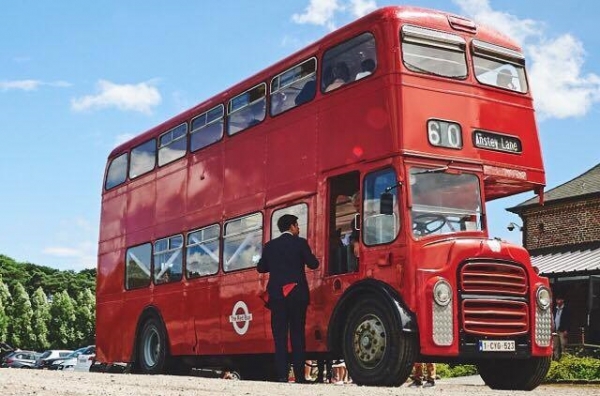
point(77, 78)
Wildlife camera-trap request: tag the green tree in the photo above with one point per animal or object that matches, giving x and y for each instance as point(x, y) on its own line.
point(40, 320)
point(62, 321)
point(85, 317)
point(20, 333)
point(4, 306)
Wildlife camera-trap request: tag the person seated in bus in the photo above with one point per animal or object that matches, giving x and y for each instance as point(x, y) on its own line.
point(306, 93)
point(341, 75)
point(367, 66)
point(257, 113)
point(504, 79)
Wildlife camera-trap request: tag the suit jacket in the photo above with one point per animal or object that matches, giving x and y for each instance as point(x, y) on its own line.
point(565, 319)
point(284, 259)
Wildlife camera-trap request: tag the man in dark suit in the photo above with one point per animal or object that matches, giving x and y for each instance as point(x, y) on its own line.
point(562, 322)
point(284, 259)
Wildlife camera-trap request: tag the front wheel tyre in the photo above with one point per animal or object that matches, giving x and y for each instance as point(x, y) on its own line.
point(514, 374)
point(376, 350)
point(152, 347)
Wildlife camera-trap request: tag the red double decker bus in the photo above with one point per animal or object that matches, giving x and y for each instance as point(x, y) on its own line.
point(426, 116)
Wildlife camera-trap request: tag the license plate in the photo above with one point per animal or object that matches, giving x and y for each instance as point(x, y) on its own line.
point(496, 346)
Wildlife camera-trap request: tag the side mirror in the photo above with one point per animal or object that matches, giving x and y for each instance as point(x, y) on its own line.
point(386, 203)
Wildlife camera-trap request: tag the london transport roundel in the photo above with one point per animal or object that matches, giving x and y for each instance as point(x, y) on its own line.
point(240, 318)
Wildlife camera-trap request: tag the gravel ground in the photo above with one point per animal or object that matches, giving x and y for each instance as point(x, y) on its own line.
point(18, 382)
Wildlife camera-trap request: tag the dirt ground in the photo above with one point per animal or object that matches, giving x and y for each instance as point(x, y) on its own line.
point(20, 382)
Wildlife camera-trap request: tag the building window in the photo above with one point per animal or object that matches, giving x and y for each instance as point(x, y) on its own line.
point(137, 266)
point(203, 252)
point(242, 242)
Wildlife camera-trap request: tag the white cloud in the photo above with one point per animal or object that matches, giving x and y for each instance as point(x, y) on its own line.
point(362, 7)
point(560, 87)
point(125, 137)
point(30, 85)
point(319, 12)
point(140, 97)
point(75, 244)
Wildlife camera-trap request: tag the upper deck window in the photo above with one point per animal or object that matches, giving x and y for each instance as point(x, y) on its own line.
point(294, 87)
point(117, 172)
point(444, 203)
point(499, 67)
point(172, 145)
point(242, 242)
point(247, 109)
point(207, 128)
point(433, 52)
point(143, 159)
point(348, 62)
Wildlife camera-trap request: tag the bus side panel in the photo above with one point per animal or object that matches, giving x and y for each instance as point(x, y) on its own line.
point(205, 184)
point(243, 315)
point(113, 215)
point(169, 299)
point(359, 114)
point(202, 305)
point(171, 199)
point(109, 344)
point(140, 208)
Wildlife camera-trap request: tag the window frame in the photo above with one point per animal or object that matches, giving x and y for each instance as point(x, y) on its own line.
point(303, 224)
point(307, 78)
point(188, 245)
point(499, 54)
point(149, 271)
point(396, 206)
point(160, 146)
point(231, 110)
point(125, 171)
point(172, 258)
point(193, 131)
point(131, 159)
point(244, 231)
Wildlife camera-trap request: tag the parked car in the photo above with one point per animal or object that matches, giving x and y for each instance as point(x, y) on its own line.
point(49, 356)
point(20, 359)
point(67, 362)
point(86, 359)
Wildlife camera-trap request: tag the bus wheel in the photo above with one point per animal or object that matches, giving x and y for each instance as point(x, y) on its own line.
point(152, 351)
point(512, 374)
point(376, 351)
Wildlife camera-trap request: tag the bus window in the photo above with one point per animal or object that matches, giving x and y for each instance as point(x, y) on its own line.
point(433, 52)
point(294, 87)
point(380, 228)
point(207, 128)
point(168, 259)
point(137, 267)
point(246, 109)
point(348, 62)
point(117, 172)
point(172, 145)
point(499, 67)
point(143, 159)
point(300, 211)
point(444, 203)
point(242, 242)
point(203, 252)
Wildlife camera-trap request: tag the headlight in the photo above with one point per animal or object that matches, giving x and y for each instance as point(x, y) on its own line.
point(442, 293)
point(543, 298)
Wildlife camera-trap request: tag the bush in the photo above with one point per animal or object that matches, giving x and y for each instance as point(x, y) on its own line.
point(455, 370)
point(571, 367)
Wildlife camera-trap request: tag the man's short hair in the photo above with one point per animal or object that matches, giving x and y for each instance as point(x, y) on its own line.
point(286, 221)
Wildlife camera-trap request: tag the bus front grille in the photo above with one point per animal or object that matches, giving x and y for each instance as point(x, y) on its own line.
point(495, 278)
point(489, 317)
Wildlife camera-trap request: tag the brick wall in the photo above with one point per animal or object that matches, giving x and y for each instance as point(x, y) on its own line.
point(559, 224)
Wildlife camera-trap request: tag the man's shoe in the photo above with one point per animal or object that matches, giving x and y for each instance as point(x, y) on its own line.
point(415, 384)
point(429, 384)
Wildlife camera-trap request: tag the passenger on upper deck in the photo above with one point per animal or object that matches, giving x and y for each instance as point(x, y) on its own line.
point(367, 66)
point(341, 75)
point(504, 79)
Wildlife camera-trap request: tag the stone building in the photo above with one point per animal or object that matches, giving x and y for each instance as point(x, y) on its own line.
point(563, 238)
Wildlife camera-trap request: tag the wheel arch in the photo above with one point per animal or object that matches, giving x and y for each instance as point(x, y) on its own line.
point(370, 287)
point(148, 312)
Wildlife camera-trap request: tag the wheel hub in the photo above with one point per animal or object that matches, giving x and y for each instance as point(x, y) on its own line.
point(369, 341)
